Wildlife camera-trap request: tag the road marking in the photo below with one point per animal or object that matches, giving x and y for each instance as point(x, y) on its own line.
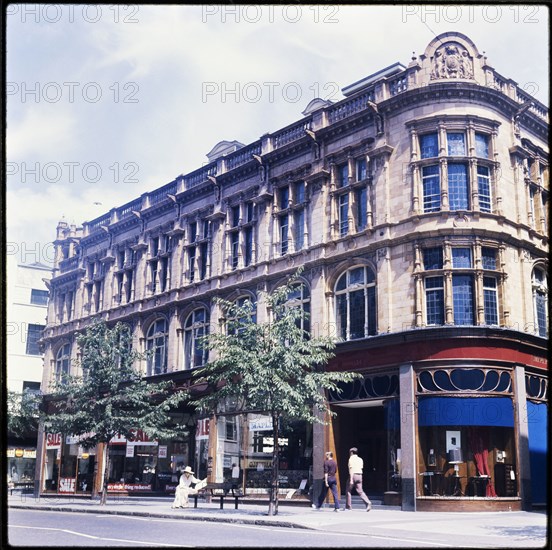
point(101, 538)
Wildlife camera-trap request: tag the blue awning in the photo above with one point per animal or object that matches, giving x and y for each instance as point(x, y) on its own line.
point(465, 411)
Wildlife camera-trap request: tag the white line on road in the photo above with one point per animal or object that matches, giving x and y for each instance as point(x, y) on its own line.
point(101, 538)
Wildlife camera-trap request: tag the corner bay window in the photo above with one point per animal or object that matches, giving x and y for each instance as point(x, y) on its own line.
point(355, 303)
point(463, 286)
point(453, 156)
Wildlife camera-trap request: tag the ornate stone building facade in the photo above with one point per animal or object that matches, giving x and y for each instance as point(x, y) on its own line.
point(418, 207)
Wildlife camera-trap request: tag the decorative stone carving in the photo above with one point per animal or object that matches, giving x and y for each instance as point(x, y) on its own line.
point(452, 61)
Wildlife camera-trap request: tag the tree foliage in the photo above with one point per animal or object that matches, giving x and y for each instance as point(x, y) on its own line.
point(275, 367)
point(109, 396)
point(22, 413)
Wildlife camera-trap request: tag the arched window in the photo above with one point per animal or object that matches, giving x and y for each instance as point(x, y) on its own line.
point(63, 362)
point(196, 326)
point(300, 297)
point(355, 303)
point(156, 345)
point(540, 301)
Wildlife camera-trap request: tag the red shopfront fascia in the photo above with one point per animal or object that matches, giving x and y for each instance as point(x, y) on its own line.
point(452, 348)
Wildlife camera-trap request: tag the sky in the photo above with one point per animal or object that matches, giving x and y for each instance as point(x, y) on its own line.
point(106, 102)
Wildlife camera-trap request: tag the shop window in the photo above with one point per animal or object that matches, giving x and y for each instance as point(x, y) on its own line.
point(355, 303)
point(464, 443)
point(156, 346)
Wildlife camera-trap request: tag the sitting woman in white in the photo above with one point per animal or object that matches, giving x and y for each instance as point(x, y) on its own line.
point(184, 488)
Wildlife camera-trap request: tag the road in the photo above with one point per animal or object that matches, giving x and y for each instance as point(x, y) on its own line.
point(41, 528)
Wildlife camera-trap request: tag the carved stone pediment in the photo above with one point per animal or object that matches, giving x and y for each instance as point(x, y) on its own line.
point(451, 60)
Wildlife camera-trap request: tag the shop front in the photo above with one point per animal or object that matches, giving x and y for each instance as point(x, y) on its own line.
point(136, 465)
point(21, 467)
point(237, 448)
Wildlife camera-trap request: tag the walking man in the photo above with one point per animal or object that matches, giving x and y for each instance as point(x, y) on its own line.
point(355, 479)
point(330, 482)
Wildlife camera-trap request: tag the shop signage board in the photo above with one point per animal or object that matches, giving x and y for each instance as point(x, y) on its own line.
point(129, 487)
point(27, 453)
point(162, 451)
point(202, 429)
point(258, 463)
point(67, 484)
point(138, 438)
point(53, 441)
point(129, 451)
point(260, 424)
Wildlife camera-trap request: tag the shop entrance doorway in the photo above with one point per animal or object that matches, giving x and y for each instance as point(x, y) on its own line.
point(362, 425)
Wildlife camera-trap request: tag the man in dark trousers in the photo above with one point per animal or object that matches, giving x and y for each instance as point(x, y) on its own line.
point(330, 482)
point(355, 479)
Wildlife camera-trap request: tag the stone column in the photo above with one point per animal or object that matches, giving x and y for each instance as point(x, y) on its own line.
point(407, 383)
point(521, 431)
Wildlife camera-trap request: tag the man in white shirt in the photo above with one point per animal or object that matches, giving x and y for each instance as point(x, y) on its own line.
point(355, 479)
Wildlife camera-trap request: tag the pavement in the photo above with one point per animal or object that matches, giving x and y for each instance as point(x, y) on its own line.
point(493, 529)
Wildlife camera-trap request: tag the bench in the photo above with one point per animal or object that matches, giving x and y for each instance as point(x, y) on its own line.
point(221, 490)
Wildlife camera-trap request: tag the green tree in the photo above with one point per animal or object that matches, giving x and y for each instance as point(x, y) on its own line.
point(275, 367)
point(22, 413)
point(110, 397)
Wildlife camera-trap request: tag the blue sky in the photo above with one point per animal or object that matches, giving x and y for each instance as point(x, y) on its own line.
point(107, 102)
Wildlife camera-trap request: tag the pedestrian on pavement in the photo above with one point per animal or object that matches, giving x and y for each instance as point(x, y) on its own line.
point(330, 482)
point(184, 488)
point(355, 479)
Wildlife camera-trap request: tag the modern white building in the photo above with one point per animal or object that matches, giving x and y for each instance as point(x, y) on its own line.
point(27, 301)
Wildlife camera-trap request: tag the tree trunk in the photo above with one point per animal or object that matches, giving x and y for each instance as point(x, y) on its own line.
point(274, 486)
point(103, 499)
